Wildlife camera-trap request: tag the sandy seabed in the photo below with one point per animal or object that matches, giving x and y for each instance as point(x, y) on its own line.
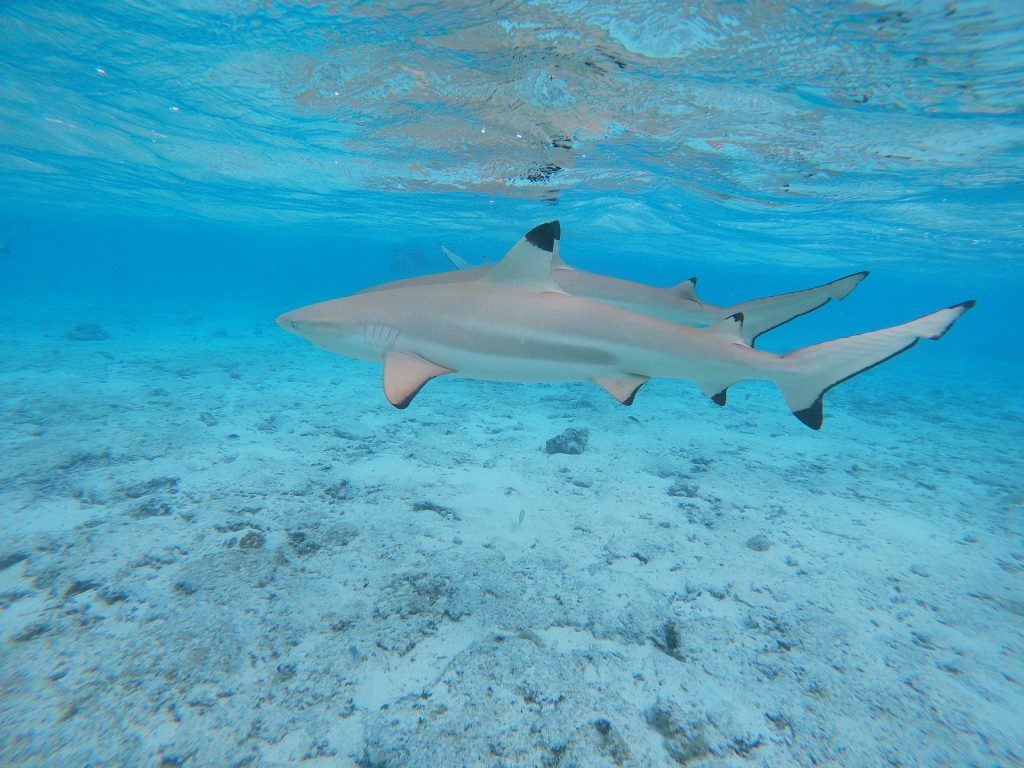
point(221, 547)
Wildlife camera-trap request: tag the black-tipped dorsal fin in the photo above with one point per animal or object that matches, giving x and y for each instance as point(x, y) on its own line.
point(622, 387)
point(544, 236)
point(528, 264)
point(405, 374)
point(730, 328)
point(686, 289)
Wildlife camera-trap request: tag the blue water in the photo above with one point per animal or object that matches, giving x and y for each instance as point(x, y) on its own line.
point(221, 546)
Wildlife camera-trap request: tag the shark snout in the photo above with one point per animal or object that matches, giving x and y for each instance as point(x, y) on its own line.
point(306, 323)
point(290, 322)
point(300, 322)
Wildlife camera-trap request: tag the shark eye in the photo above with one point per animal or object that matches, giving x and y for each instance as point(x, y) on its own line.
point(295, 324)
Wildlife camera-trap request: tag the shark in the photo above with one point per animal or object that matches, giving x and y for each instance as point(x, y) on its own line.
point(676, 304)
point(516, 323)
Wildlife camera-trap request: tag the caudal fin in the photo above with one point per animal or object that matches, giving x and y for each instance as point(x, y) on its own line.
point(761, 315)
point(812, 371)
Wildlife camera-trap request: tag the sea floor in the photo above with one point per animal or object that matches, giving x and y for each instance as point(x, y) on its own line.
point(221, 547)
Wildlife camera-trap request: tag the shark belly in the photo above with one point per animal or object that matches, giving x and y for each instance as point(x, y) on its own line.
point(515, 359)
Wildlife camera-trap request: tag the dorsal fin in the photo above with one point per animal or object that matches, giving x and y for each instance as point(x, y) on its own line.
point(528, 264)
point(457, 261)
point(730, 328)
point(557, 262)
point(686, 289)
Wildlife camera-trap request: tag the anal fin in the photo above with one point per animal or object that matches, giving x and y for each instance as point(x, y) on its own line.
point(623, 387)
point(716, 390)
point(405, 374)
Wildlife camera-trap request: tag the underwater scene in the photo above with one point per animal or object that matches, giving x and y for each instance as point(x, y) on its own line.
point(529, 383)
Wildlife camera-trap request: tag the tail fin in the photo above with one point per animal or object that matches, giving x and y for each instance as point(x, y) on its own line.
point(813, 371)
point(761, 315)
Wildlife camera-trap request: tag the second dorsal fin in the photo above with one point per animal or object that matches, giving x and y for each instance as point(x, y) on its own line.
point(731, 328)
point(686, 289)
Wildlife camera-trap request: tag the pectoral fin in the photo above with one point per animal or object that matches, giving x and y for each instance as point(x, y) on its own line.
point(623, 388)
point(405, 374)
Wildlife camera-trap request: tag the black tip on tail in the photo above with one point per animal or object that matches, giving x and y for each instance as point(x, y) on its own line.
point(963, 306)
point(543, 236)
point(719, 399)
point(812, 415)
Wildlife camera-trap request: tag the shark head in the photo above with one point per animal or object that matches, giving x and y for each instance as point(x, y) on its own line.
point(329, 325)
point(342, 326)
point(366, 325)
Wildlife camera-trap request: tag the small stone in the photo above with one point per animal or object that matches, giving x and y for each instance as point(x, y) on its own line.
point(430, 506)
point(571, 441)
point(111, 595)
point(302, 543)
point(920, 570)
point(745, 744)
point(684, 739)
point(32, 631)
point(340, 491)
point(151, 508)
point(759, 543)
point(669, 641)
point(613, 743)
point(252, 540)
point(79, 586)
point(14, 558)
point(156, 484)
point(719, 593)
point(686, 490)
point(285, 672)
point(86, 332)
